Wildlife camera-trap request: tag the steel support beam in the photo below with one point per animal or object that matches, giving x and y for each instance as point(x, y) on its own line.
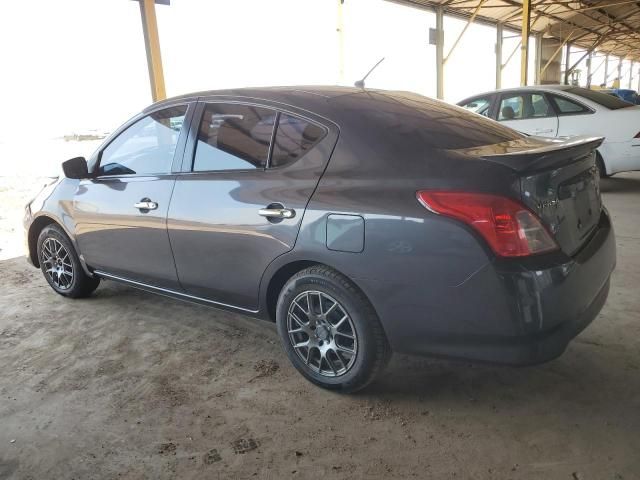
point(620, 72)
point(538, 62)
point(567, 58)
point(499, 55)
point(524, 48)
point(340, 30)
point(589, 59)
point(469, 22)
point(440, 53)
point(606, 69)
point(631, 74)
point(152, 47)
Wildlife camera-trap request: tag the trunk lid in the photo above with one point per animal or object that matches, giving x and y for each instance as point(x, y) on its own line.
point(558, 181)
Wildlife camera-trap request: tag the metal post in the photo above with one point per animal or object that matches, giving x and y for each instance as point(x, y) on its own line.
point(440, 53)
point(631, 75)
point(606, 69)
point(152, 46)
point(589, 59)
point(620, 72)
point(524, 49)
point(538, 62)
point(340, 29)
point(498, 55)
point(566, 64)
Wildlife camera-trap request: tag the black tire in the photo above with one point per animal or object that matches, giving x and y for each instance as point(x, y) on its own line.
point(372, 351)
point(55, 251)
point(601, 168)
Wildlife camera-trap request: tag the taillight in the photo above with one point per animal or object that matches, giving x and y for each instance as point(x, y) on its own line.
point(510, 228)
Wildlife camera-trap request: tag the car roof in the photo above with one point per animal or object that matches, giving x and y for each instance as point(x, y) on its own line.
point(340, 105)
point(555, 87)
point(304, 95)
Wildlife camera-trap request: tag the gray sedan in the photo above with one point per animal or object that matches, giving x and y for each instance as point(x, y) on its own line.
point(361, 221)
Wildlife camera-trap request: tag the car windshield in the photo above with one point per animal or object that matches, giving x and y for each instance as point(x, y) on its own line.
point(606, 100)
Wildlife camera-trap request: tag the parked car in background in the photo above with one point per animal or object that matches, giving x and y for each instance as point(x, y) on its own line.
point(625, 94)
point(564, 110)
point(361, 221)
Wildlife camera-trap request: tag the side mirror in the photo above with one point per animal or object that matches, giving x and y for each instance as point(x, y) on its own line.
point(75, 168)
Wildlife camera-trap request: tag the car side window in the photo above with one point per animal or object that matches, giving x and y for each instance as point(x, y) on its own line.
point(294, 137)
point(146, 147)
point(233, 137)
point(479, 105)
point(568, 107)
point(524, 106)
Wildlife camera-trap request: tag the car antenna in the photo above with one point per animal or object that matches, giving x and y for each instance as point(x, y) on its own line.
point(360, 83)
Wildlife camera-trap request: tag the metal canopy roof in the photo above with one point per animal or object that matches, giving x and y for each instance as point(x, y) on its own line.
point(610, 26)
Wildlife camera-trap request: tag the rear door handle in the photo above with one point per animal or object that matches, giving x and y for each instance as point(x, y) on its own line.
point(277, 212)
point(146, 204)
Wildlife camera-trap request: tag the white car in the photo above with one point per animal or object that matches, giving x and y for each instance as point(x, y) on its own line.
point(564, 110)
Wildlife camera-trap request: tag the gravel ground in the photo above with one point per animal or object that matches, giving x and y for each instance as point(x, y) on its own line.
point(131, 385)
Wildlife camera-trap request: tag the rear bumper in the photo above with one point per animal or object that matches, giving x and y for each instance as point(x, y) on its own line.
point(517, 312)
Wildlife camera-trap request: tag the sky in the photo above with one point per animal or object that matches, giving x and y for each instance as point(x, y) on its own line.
point(73, 65)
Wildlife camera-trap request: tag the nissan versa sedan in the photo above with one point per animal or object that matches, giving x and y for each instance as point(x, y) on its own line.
point(362, 222)
point(561, 110)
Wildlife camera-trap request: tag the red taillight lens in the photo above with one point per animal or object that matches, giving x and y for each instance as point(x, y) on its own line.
point(510, 228)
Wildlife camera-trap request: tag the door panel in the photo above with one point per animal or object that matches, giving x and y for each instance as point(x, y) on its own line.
point(121, 213)
point(115, 236)
point(221, 243)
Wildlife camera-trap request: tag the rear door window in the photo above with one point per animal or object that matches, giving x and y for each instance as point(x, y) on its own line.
point(568, 107)
point(233, 137)
point(294, 137)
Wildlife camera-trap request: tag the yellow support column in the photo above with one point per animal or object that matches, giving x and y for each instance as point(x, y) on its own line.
point(152, 46)
point(524, 49)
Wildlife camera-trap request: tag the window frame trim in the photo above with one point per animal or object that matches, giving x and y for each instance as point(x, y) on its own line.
point(587, 109)
point(189, 156)
point(177, 154)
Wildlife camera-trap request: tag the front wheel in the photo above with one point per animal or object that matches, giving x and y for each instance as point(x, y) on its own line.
point(330, 331)
point(61, 266)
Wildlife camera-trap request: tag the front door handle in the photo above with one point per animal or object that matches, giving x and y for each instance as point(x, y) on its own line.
point(277, 212)
point(543, 130)
point(146, 204)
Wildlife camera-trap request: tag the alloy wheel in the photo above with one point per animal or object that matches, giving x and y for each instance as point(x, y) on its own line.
point(57, 263)
point(322, 333)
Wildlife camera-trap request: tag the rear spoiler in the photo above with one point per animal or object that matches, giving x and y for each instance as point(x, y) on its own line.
point(531, 154)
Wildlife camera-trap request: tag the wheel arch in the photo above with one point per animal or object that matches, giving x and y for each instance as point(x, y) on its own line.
point(284, 272)
point(35, 228)
point(602, 167)
point(38, 224)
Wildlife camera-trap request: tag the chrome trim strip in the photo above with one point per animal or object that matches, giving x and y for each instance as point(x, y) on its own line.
point(171, 293)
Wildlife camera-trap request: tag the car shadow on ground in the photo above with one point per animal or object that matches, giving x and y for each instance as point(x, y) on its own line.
point(620, 184)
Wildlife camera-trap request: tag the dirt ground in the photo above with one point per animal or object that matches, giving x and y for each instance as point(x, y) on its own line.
point(131, 385)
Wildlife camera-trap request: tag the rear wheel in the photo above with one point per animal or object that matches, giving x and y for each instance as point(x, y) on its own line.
point(61, 266)
point(330, 331)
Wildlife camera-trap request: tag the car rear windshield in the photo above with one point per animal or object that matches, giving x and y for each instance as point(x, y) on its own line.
point(607, 101)
point(432, 123)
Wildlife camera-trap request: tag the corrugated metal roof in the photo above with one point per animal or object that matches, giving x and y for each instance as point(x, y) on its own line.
point(611, 26)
